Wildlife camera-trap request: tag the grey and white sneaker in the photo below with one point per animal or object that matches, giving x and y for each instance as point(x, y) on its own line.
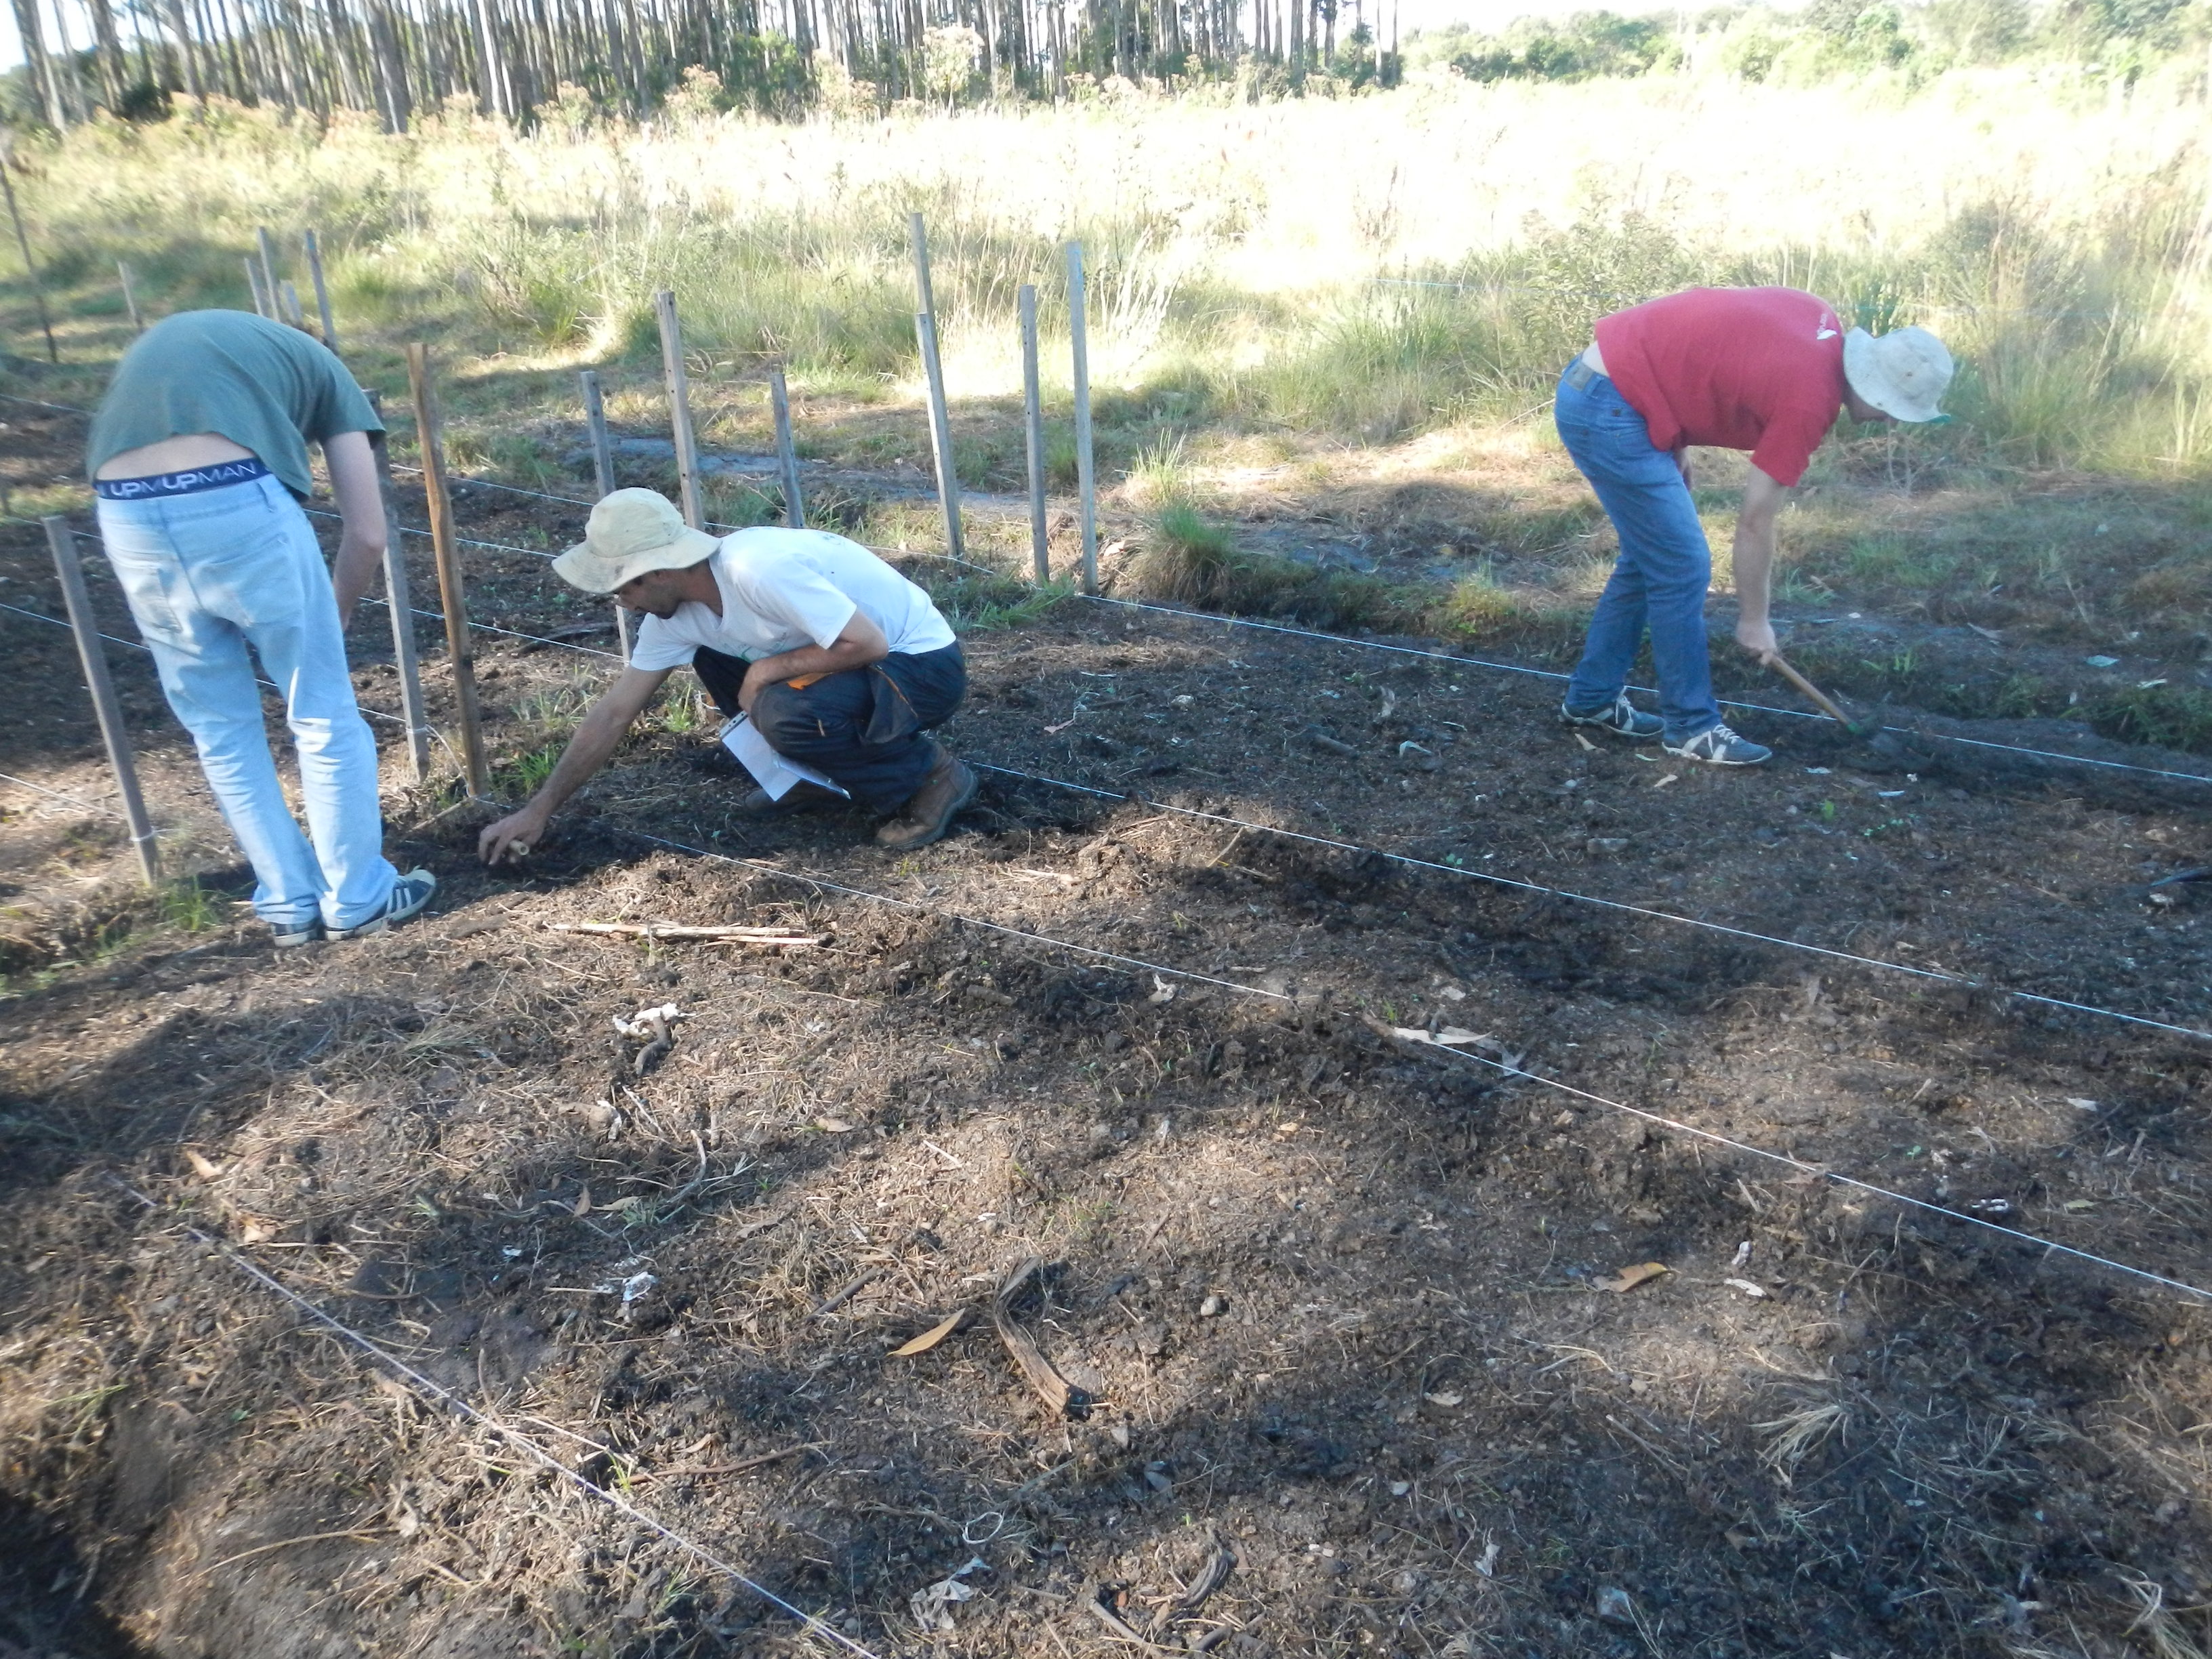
point(293, 935)
point(1718, 746)
point(408, 894)
point(1623, 720)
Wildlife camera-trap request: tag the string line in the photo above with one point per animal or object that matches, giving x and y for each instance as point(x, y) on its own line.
point(1262, 992)
point(1543, 890)
point(514, 1438)
point(1539, 887)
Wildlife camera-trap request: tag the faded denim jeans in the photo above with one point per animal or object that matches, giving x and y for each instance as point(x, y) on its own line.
point(207, 575)
point(1659, 582)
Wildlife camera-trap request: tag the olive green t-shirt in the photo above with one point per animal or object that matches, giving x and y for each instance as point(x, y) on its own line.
point(266, 387)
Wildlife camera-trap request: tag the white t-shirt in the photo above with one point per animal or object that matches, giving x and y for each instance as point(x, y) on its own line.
point(782, 589)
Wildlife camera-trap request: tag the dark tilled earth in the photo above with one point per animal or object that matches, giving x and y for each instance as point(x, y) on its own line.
point(1338, 1309)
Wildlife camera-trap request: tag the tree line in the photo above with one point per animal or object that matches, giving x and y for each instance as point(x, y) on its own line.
point(528, 60)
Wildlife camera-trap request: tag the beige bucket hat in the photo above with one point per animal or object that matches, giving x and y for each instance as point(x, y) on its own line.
point(1904, 372)
point(630, 533)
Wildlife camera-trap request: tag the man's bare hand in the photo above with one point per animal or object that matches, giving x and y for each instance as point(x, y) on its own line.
point(1757, 638)
point(511, 837)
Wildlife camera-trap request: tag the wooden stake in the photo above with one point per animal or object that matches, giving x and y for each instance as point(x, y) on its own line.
point(918, 239)
point(62, 540)
point(130, 299)
point(679, 409)
point(795, 503)
point(1033, 435)
point(399, 599)
point(603, 473)
point(322, 292)
point(932, 366)
point(941, 432)
point(1086, 470)
point(453, 597)
point(269, 272)
point(292, 313)
point(30, 266)
point(253, 287)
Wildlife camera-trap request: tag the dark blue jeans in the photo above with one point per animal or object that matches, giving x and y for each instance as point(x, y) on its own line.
point(862, 728)
point(1659, 581)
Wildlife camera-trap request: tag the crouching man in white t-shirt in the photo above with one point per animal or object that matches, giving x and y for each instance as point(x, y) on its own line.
point(841, 662)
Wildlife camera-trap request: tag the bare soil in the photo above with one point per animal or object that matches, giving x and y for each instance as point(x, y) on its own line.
point(1332, 1301)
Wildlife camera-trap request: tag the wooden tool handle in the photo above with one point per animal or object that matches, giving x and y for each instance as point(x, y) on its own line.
point(1827, 707)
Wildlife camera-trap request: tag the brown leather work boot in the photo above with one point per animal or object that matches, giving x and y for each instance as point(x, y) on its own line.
point(948, 789)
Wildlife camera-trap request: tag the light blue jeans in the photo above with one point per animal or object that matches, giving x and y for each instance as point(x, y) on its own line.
point(1665, 566)
point(206, 575)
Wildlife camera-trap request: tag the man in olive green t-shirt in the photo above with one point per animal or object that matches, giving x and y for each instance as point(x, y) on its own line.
point(199, 455)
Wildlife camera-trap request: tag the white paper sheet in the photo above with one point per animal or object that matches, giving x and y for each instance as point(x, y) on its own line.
point(773, 772)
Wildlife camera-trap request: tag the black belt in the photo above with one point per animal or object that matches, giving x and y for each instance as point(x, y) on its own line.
point(1581, 376)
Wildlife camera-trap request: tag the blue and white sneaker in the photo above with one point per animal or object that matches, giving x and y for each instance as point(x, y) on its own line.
point(1718, 746)
point(1623, 720)
point(408, 894)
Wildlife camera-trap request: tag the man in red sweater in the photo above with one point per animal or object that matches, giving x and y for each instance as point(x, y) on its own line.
point(1762, 369)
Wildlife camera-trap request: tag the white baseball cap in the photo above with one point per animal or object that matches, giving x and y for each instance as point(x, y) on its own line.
point(1903, 374)
point(630, 532)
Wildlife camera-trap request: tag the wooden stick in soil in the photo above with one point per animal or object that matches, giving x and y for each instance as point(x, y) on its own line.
point(786, 452)
point(322, 291)
point(1086, 471)
point(1033, 436)
point(292, 312)
point(30, 266)
point(268, 250)
point(603, 472)
point(399, 602)
point(453, 597)
point(679, 409)
point(941, 432)
point(62, 540)
point(130, 298)
point(732, 932)
point(932, 368)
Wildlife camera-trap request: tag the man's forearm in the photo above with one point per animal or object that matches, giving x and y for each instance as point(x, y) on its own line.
point(353, 572)
point(596, 739)
point(814, 660)
point(1753, 563)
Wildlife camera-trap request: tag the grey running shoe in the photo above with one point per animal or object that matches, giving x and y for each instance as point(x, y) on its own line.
point(1718, 746)
point(408, 894)
point(292, 937)
point(951, 785)
point(1623, 720)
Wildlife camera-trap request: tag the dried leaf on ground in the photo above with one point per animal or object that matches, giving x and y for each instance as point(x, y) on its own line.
point(930, 1338)
point(1629, 1278)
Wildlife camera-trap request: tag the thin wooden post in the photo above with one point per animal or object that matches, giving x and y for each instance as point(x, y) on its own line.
point(400, 602)
point(452, 596)
point(918, 239)
point(1033, 436)
point(268, 270)
point(322, 291)
point(63, 542)
point(603, 472)
point(292, 315)
point(786, 452)
point(1086, 470)
point(933, 368)
point(130, 298)
point(253, 287)
point(30, 266)
point(679, 409)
